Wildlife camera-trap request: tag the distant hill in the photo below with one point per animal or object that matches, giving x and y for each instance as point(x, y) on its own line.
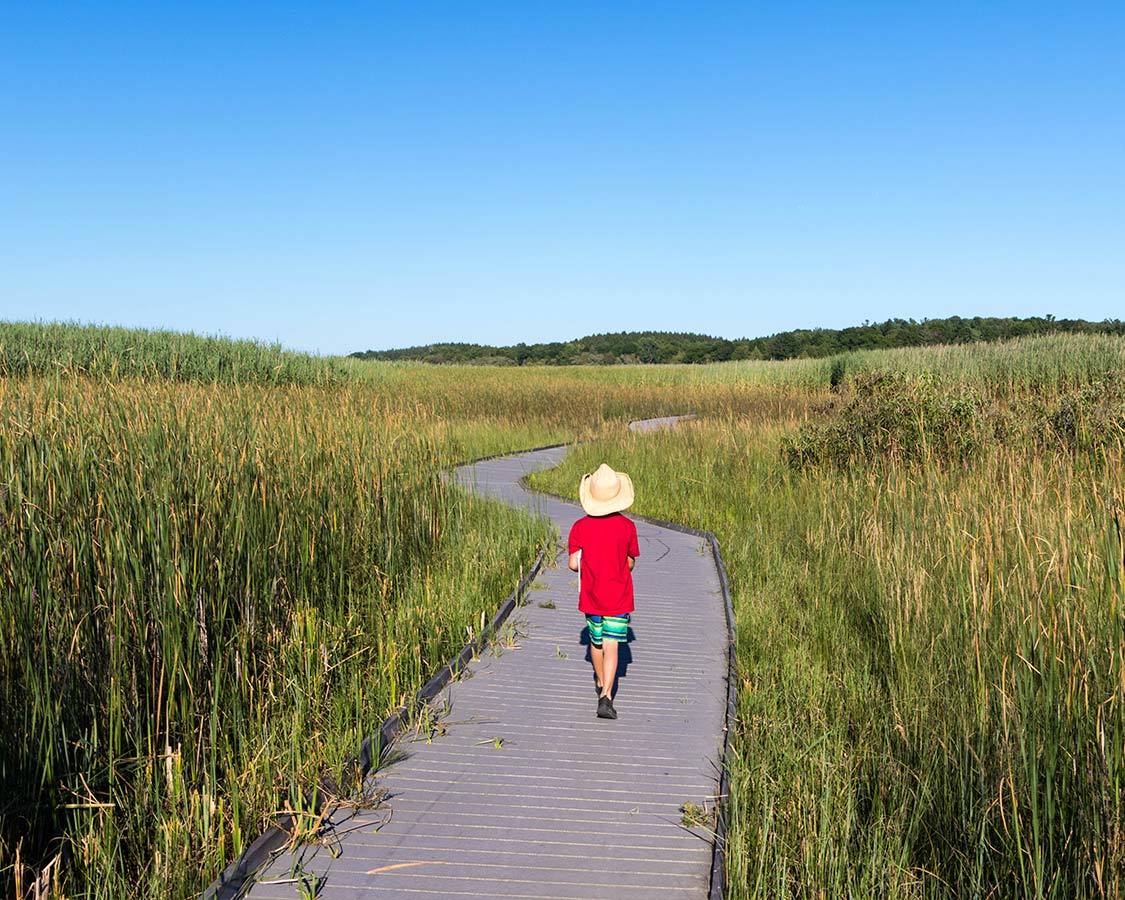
point(683, 347)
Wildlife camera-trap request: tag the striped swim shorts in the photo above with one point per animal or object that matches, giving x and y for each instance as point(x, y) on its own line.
point(616, 628)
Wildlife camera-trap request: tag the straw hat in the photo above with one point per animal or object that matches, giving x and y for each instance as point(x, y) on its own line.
point(605, 491)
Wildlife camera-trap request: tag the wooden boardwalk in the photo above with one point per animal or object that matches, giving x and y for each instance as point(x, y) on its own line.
point(527, 793)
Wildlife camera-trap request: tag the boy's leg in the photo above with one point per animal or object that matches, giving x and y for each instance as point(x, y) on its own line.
point(594, 633)
point(614, 630)
point(608, 656)
point(596, 659)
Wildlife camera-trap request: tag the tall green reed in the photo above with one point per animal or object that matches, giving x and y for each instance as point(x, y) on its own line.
point(45, 348)
point(210, 595)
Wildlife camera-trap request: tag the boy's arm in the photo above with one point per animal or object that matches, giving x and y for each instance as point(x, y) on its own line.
point(574, 546)
point(631, 561)
point(634, 548)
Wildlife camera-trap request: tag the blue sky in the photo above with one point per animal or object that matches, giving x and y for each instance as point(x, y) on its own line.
point(341, 177)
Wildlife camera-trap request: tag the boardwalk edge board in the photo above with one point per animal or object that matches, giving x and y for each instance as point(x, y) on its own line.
point(234, 877)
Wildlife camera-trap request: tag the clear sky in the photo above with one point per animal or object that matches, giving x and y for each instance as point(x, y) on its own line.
point(342, 177)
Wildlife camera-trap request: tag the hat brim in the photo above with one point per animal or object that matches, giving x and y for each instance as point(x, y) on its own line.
point(593, 507)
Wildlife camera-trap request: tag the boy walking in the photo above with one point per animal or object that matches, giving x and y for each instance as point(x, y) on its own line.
point(603, 548)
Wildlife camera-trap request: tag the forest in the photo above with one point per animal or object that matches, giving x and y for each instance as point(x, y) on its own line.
point(811, 343)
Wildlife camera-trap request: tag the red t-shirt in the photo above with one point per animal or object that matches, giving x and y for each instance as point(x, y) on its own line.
point(606, 582)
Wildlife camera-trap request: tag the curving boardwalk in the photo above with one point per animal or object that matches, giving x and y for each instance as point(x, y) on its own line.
point(527, 793)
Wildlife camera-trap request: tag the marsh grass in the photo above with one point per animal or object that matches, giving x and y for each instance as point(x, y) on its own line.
point(930, 650)
point(50, 348)
point(210, 595)
point(224, 565)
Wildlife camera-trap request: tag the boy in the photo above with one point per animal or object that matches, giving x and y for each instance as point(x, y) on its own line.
point(604, 544)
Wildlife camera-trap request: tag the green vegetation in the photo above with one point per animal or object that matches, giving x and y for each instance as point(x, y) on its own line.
point(218, 578)
point(676, 347)
point(29, 348)
point(893, 417)
point(929, 623)
point(213, 590)
point(210, 596)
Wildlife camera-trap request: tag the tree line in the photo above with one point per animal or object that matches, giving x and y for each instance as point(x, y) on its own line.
point(684, 347)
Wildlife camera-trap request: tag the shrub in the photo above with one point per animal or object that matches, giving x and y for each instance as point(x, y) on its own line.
point(895, 417)
point(1089, 418)
point(836, 376)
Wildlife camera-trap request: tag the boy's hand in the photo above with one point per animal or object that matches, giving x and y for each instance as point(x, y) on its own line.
point(631, 561)
point(574, 558)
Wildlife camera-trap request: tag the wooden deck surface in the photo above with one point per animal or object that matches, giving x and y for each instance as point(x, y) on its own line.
point(527, 793)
